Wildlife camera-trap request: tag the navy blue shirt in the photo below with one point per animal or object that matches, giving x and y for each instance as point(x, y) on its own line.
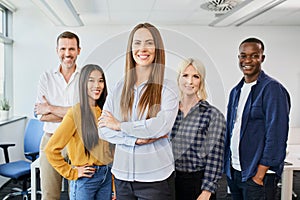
point(264, 128)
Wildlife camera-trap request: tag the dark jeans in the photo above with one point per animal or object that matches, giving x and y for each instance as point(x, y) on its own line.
point(249, 190)
point(188, 185)
point(158, 190)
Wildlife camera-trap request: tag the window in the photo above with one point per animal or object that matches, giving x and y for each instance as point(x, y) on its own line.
point(1, 69)
point(5, 53)
point(1, 20)
point(1, 56)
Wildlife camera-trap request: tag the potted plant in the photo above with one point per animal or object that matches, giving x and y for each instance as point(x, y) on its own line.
point(4, 109)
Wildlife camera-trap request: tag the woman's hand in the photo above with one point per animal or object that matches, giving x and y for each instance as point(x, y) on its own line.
point(141, 141)
point(85, 171)
point(108, 120)
point(205, 195)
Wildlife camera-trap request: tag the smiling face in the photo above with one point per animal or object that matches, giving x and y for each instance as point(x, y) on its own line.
point(95, 86)
point(189, 82)
point(143, 47)
point(67, 50)
point(250, 59)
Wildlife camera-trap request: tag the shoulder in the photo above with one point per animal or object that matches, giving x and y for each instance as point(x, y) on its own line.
point(214, 111)
point(73, 112)
point(269, 82)
point(116, 91)
point(119, 85)
point(48, 74)
point(73, 109)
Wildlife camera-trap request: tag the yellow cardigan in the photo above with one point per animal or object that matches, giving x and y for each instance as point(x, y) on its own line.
point(67, 135)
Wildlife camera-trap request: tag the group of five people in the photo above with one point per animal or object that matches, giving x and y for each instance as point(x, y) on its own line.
point(163, 144)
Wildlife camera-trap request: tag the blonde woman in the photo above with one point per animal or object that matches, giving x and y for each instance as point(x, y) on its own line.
point(197, 136)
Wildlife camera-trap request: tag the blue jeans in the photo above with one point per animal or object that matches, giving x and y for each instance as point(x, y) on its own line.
point(97, 187)
point(249, 190)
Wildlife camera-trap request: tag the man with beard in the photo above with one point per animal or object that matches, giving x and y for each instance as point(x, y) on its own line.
point(57, 92)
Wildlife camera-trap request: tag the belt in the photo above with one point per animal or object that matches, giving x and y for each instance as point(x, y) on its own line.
point(48, 134)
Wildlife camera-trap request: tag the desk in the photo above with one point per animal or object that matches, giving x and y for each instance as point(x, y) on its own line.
point(293, 156)
point(33, 168)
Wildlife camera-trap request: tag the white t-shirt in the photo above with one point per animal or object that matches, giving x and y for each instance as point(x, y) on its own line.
point(236, 132)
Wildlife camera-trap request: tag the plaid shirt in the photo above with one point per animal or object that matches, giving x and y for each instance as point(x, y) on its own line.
point(198, 143)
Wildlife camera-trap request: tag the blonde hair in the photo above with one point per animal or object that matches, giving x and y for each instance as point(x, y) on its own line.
point(200, 68)
point(151, 98)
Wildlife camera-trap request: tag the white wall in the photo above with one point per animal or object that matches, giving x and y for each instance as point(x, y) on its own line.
point(35, 42)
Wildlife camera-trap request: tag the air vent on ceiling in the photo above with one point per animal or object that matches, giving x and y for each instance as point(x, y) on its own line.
point(220, 7)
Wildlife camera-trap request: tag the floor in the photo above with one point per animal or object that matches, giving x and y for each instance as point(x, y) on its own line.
point(221, 193)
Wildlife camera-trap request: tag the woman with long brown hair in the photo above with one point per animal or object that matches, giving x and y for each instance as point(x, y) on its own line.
point(138, 116)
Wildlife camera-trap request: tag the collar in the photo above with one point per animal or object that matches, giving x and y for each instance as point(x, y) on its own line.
point(261, 76)
point(203, 103)
point(57, 70)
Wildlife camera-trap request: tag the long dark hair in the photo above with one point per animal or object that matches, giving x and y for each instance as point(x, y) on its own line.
point(88, 124)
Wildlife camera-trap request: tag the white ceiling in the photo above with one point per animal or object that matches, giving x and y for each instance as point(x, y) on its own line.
point(287, 13)
point(173, 12)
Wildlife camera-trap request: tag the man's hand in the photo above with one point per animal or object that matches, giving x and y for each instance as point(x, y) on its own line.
point(258, 181)
point(42, 108)
point(260, 174)
point(50, 113)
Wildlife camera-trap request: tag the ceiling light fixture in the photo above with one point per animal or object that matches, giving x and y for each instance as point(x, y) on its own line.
point(244, 12)
point(60, 12)
point(219, 7)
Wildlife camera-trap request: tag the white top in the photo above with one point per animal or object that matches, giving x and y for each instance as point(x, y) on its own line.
point(236, 132)
point(58, 92)
point(144, 163)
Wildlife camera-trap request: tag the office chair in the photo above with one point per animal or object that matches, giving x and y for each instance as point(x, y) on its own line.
point(20, 170)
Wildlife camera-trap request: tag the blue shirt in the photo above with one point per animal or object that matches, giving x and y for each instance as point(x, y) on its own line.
point(264, 128)
point(149, 162)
